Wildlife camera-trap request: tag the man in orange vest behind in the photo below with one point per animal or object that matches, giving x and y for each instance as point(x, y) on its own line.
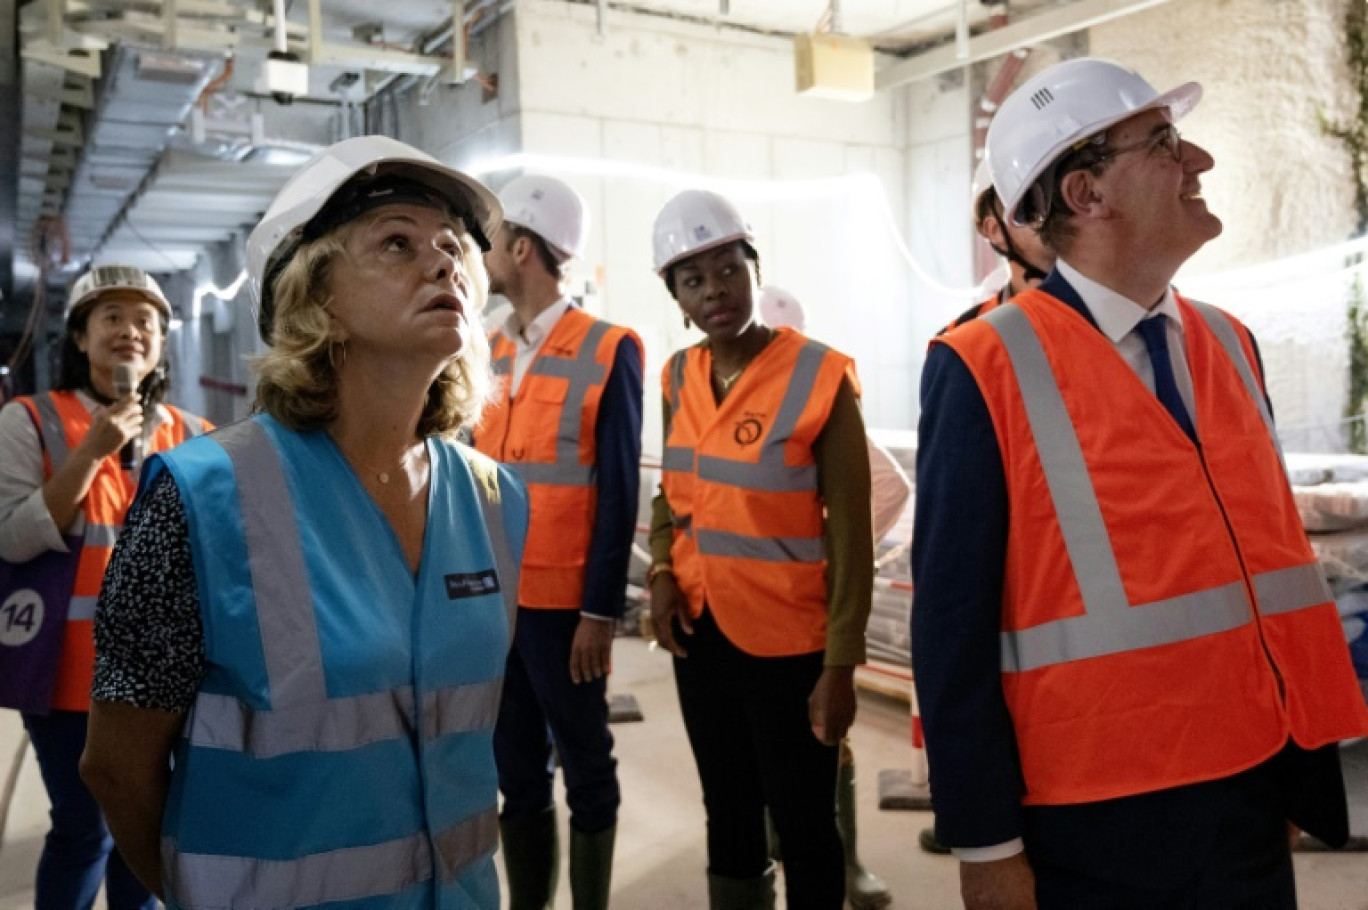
point(1130, 668)
point(1025, 258)
point(568, 421)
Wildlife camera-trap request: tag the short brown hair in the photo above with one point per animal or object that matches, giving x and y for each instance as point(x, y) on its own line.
point(296, 377)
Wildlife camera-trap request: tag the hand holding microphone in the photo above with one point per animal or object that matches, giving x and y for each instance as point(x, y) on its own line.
point(125, 379)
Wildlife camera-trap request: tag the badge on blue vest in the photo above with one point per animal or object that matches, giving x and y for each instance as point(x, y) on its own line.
point(472, 584)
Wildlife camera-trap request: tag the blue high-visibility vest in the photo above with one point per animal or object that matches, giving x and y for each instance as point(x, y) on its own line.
point(339, 750)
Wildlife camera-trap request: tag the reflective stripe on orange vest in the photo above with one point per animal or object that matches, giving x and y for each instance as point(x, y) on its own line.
point(545, 434)
point(62, 422)
point(1164, 618)
point(742, 487)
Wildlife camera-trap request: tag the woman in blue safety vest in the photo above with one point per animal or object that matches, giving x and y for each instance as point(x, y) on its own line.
point(311, 609)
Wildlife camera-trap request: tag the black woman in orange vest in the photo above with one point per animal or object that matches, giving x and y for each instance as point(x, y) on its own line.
point(762, 562)
point(68, 466)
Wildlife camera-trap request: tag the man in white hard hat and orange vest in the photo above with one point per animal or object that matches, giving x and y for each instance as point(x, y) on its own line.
point(1130, 668)
point(1025, 258)
point(568, 421)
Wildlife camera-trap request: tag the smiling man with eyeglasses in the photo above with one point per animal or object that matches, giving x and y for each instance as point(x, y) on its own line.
point(1130, 669)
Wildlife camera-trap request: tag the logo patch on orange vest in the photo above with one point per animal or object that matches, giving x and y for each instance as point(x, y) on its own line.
point(748, 431)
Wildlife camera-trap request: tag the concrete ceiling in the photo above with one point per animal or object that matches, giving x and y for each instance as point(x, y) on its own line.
point(119, 161)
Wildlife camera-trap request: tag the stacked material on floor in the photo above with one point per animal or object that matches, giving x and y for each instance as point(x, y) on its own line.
point(888, 636)
point(1331, 492)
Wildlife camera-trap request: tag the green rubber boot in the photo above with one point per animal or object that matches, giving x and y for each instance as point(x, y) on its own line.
point(864, 889)
point(530, 855)
point(741, 893)
point(591, 868)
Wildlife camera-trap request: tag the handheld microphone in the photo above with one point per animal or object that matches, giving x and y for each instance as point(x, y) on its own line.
point(125, 384)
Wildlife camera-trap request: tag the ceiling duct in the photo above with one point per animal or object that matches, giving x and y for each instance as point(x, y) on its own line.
point(143, 99)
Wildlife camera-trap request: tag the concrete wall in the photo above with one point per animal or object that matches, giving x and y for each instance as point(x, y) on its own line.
point(691, 100)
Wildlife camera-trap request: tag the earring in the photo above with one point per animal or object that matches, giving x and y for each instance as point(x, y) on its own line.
point(332, 354)
point(687, 324)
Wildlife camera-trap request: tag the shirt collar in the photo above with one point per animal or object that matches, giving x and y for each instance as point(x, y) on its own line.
point(1116, 316)
point(536, 333)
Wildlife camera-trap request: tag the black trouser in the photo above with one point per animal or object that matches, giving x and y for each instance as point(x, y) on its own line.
point(747, 719)
point(1221, 845)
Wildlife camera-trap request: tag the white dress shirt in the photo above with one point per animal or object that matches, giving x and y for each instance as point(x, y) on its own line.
point(1118, 318)
point(528, 341)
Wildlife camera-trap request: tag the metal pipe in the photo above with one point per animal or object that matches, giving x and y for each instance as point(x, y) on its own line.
point(458, 41)
point(602, 18)
point(836, 25)
point(281, 40)
point(962, 31)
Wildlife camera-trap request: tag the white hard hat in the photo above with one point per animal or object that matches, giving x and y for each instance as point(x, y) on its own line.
point(694, 221)
point(549, 208)
point(779, 309)
point(1060, 108)
point(982, 183)
point(103, 278)
point(312, 191)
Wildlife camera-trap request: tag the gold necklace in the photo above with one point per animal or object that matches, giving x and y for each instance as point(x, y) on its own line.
point(727, 381)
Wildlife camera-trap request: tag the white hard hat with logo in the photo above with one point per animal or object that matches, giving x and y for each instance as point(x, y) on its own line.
point(695, 221)
point(779, 309)
point(104, 278)
point(549, 208)
point(1056, 112)
point(312, 202)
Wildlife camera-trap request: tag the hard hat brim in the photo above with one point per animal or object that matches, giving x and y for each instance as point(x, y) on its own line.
point(710, 245)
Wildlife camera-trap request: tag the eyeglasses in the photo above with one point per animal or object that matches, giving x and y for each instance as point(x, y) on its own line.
point(1168, 137)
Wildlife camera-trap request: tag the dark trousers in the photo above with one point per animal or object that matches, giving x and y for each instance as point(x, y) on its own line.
point(78, 853)
point(1221, 845)
point(747, 720)
point(541, 705)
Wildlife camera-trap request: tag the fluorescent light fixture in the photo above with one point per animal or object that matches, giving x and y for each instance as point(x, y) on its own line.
point(224, 294)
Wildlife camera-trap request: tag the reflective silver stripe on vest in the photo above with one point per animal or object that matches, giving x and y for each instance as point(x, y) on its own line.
point(559, 473)
point(51, 429)
point(1288, 590)
point(461, 709)
point(194, 426)
point(1111, 624)
point(1225, 333)
point(507, 568)
point(333, 725)
point(339, 724)
point(678, 458)
point(101, 535)
point(769, 472)
point(200, 881)
point(768, 549)
point(582, 371)
point(464, 843)
point(280, 581)
point(81, 608)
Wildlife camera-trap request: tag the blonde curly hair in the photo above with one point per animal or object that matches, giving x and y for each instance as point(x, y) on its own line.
point(297, 378)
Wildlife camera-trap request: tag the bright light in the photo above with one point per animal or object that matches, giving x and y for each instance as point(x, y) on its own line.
point(864, 188)
point(224, 294)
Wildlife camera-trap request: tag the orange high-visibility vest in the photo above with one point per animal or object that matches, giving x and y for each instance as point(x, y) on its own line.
point(62, 423)
point(546, 435)
point(1164, 619)
point(742, 487)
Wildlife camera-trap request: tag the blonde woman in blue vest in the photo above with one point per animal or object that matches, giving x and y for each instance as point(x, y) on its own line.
point(762, 563)
point(311, 608)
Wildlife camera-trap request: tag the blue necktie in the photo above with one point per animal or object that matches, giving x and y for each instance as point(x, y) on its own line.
point(1152, 329)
